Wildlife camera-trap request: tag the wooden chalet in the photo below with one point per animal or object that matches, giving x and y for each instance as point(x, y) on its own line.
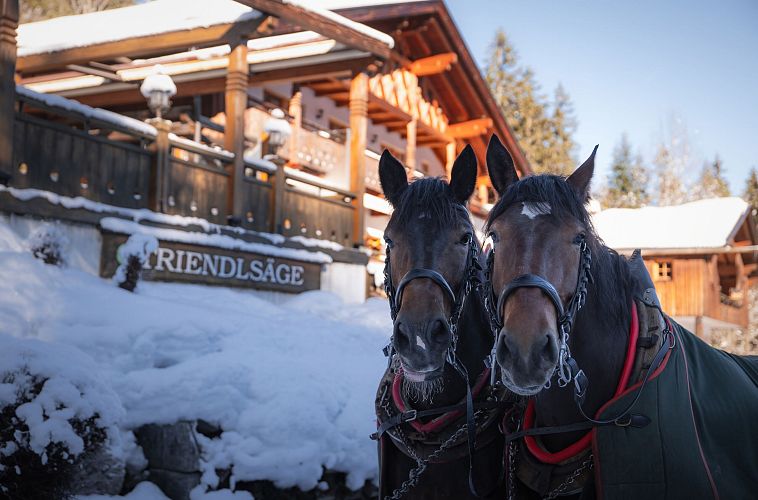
point(702, 257)
point(352, 79)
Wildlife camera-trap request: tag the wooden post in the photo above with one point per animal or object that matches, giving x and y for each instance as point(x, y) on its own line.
point(296, 111)
point(8, 24)
point(483, 191)
point(159, 178)
point(410, 147)
point(358, 132)
point(234, 129)
point(450, 152)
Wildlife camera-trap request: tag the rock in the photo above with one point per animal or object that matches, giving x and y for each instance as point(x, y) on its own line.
point(175, 485)
point(98, 472)
point(170, 447)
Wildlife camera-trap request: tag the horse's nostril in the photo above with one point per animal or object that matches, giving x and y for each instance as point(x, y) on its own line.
point(503, 350)
point(402, 337)
point(439, 332)
point(550, 348)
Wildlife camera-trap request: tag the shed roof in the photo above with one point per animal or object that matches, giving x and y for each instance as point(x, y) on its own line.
point(709, 223)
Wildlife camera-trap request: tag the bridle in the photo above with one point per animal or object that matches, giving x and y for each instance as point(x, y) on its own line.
point(566, 367)
point(458, 300)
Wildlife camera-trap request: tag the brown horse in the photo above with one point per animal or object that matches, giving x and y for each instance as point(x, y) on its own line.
point(609, 382)
point(440, 341)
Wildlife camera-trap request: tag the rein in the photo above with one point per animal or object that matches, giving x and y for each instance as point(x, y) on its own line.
point(395, 296)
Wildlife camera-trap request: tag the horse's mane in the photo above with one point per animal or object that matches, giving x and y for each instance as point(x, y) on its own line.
point(431, 195)
point(612, 277)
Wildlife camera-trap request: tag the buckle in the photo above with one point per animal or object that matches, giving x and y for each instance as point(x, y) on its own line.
point(410, 416)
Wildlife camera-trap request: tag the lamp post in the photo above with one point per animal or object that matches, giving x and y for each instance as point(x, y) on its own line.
point(277, 129)
point(158, 88)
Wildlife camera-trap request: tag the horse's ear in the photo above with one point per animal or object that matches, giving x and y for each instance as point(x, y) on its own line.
point(580, 179)
point(463, 176)
point(500, 165)
point(392, 176)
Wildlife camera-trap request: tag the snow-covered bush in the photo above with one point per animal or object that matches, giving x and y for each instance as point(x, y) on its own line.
point(48, 243)
point(54, 411)
point(132, 256)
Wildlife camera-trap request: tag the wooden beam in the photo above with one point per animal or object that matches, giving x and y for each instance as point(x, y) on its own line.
point(450, 154)
point(234, 128)
point(714, 251)
point(471, 128)
point(309, 20)
point(296, 112)
point(110, 75)
point(358, 131)
point(8, 25)
point(133, 47)
point(433, 65)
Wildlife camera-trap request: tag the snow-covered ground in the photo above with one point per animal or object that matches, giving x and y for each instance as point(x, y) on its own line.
point(292, 385)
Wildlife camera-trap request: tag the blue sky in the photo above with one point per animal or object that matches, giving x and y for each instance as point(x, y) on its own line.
point(634, 66)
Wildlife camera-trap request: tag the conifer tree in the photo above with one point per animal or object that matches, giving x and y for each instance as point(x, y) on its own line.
point(751, 188)
point(628, 181)
point(711, 183)
point(543, 131)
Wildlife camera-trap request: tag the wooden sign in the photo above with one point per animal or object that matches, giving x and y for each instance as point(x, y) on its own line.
point(188, 263)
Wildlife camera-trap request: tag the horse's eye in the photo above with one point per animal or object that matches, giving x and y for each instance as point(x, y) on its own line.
point(466, 239)
point(388, 242)
point(579, 237)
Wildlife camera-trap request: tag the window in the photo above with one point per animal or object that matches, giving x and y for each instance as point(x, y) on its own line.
point(662, 271)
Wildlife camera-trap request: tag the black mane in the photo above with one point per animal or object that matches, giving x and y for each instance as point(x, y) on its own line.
point(433, 195)
point(613, 284)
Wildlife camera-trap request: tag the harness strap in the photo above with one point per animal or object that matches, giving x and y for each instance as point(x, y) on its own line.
point(422, 273)
point(531, 281)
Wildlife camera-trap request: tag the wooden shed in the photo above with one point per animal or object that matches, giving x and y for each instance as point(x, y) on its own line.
point(701, 255)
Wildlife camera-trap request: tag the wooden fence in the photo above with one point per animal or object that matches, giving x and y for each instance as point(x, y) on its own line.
point(67, 152)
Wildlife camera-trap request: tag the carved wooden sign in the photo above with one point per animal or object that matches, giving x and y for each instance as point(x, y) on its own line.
point(189, 263)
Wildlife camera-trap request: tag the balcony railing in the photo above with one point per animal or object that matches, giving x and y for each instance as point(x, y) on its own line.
point(66, 148)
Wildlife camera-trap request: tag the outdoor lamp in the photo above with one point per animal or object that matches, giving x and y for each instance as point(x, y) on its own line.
point(278, 129)
point(158, 88)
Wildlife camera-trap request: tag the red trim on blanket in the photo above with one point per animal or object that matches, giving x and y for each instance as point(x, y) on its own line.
point(593, 432)
point(584, 442)
point(444, 419)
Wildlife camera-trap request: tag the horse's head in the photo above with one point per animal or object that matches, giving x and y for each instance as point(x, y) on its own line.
point(539, 228)
point(430, 240)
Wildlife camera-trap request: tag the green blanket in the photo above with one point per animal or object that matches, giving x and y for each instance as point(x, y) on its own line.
point(702, 441)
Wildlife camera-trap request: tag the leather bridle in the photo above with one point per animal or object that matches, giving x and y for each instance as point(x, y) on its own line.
point(566, 368)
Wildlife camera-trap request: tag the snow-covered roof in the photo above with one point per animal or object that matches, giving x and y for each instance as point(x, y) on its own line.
point(699, 224)
point(144, 19)
point(152, 18)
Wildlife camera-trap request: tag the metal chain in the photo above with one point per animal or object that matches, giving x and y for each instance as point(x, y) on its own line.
point(588, 464)
point(422, 463)
point(512, 456)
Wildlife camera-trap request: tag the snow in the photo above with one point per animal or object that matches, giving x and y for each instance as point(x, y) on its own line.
point(143, 491)
point(144, 19)
point(314, 242)
point(355, 26)
point(213, 240)
point(71, 390)
point(292, 385)
point(158, 81)
point(55, 101)
point(152, 18)
point(699, 224)
point(139, 245)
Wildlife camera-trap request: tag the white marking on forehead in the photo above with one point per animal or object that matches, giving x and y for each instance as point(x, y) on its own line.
point(420, 343)
point(532, 210)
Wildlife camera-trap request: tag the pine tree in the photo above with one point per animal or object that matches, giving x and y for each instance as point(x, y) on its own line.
point(544, 136)
point(39, 10)
point(751, 188)
point(673, 161)
point(627, 185)
point(711, 183)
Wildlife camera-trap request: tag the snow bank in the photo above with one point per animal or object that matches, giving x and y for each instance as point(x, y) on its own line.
point(699, 224)
point(71, 391)
point(292, 386)
point(213, 240)
point(143, 491)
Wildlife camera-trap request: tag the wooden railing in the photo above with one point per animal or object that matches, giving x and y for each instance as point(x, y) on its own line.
point(66, 151)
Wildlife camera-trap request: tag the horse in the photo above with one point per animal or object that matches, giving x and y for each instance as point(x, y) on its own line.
point(619, 401)
point(436, 382)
